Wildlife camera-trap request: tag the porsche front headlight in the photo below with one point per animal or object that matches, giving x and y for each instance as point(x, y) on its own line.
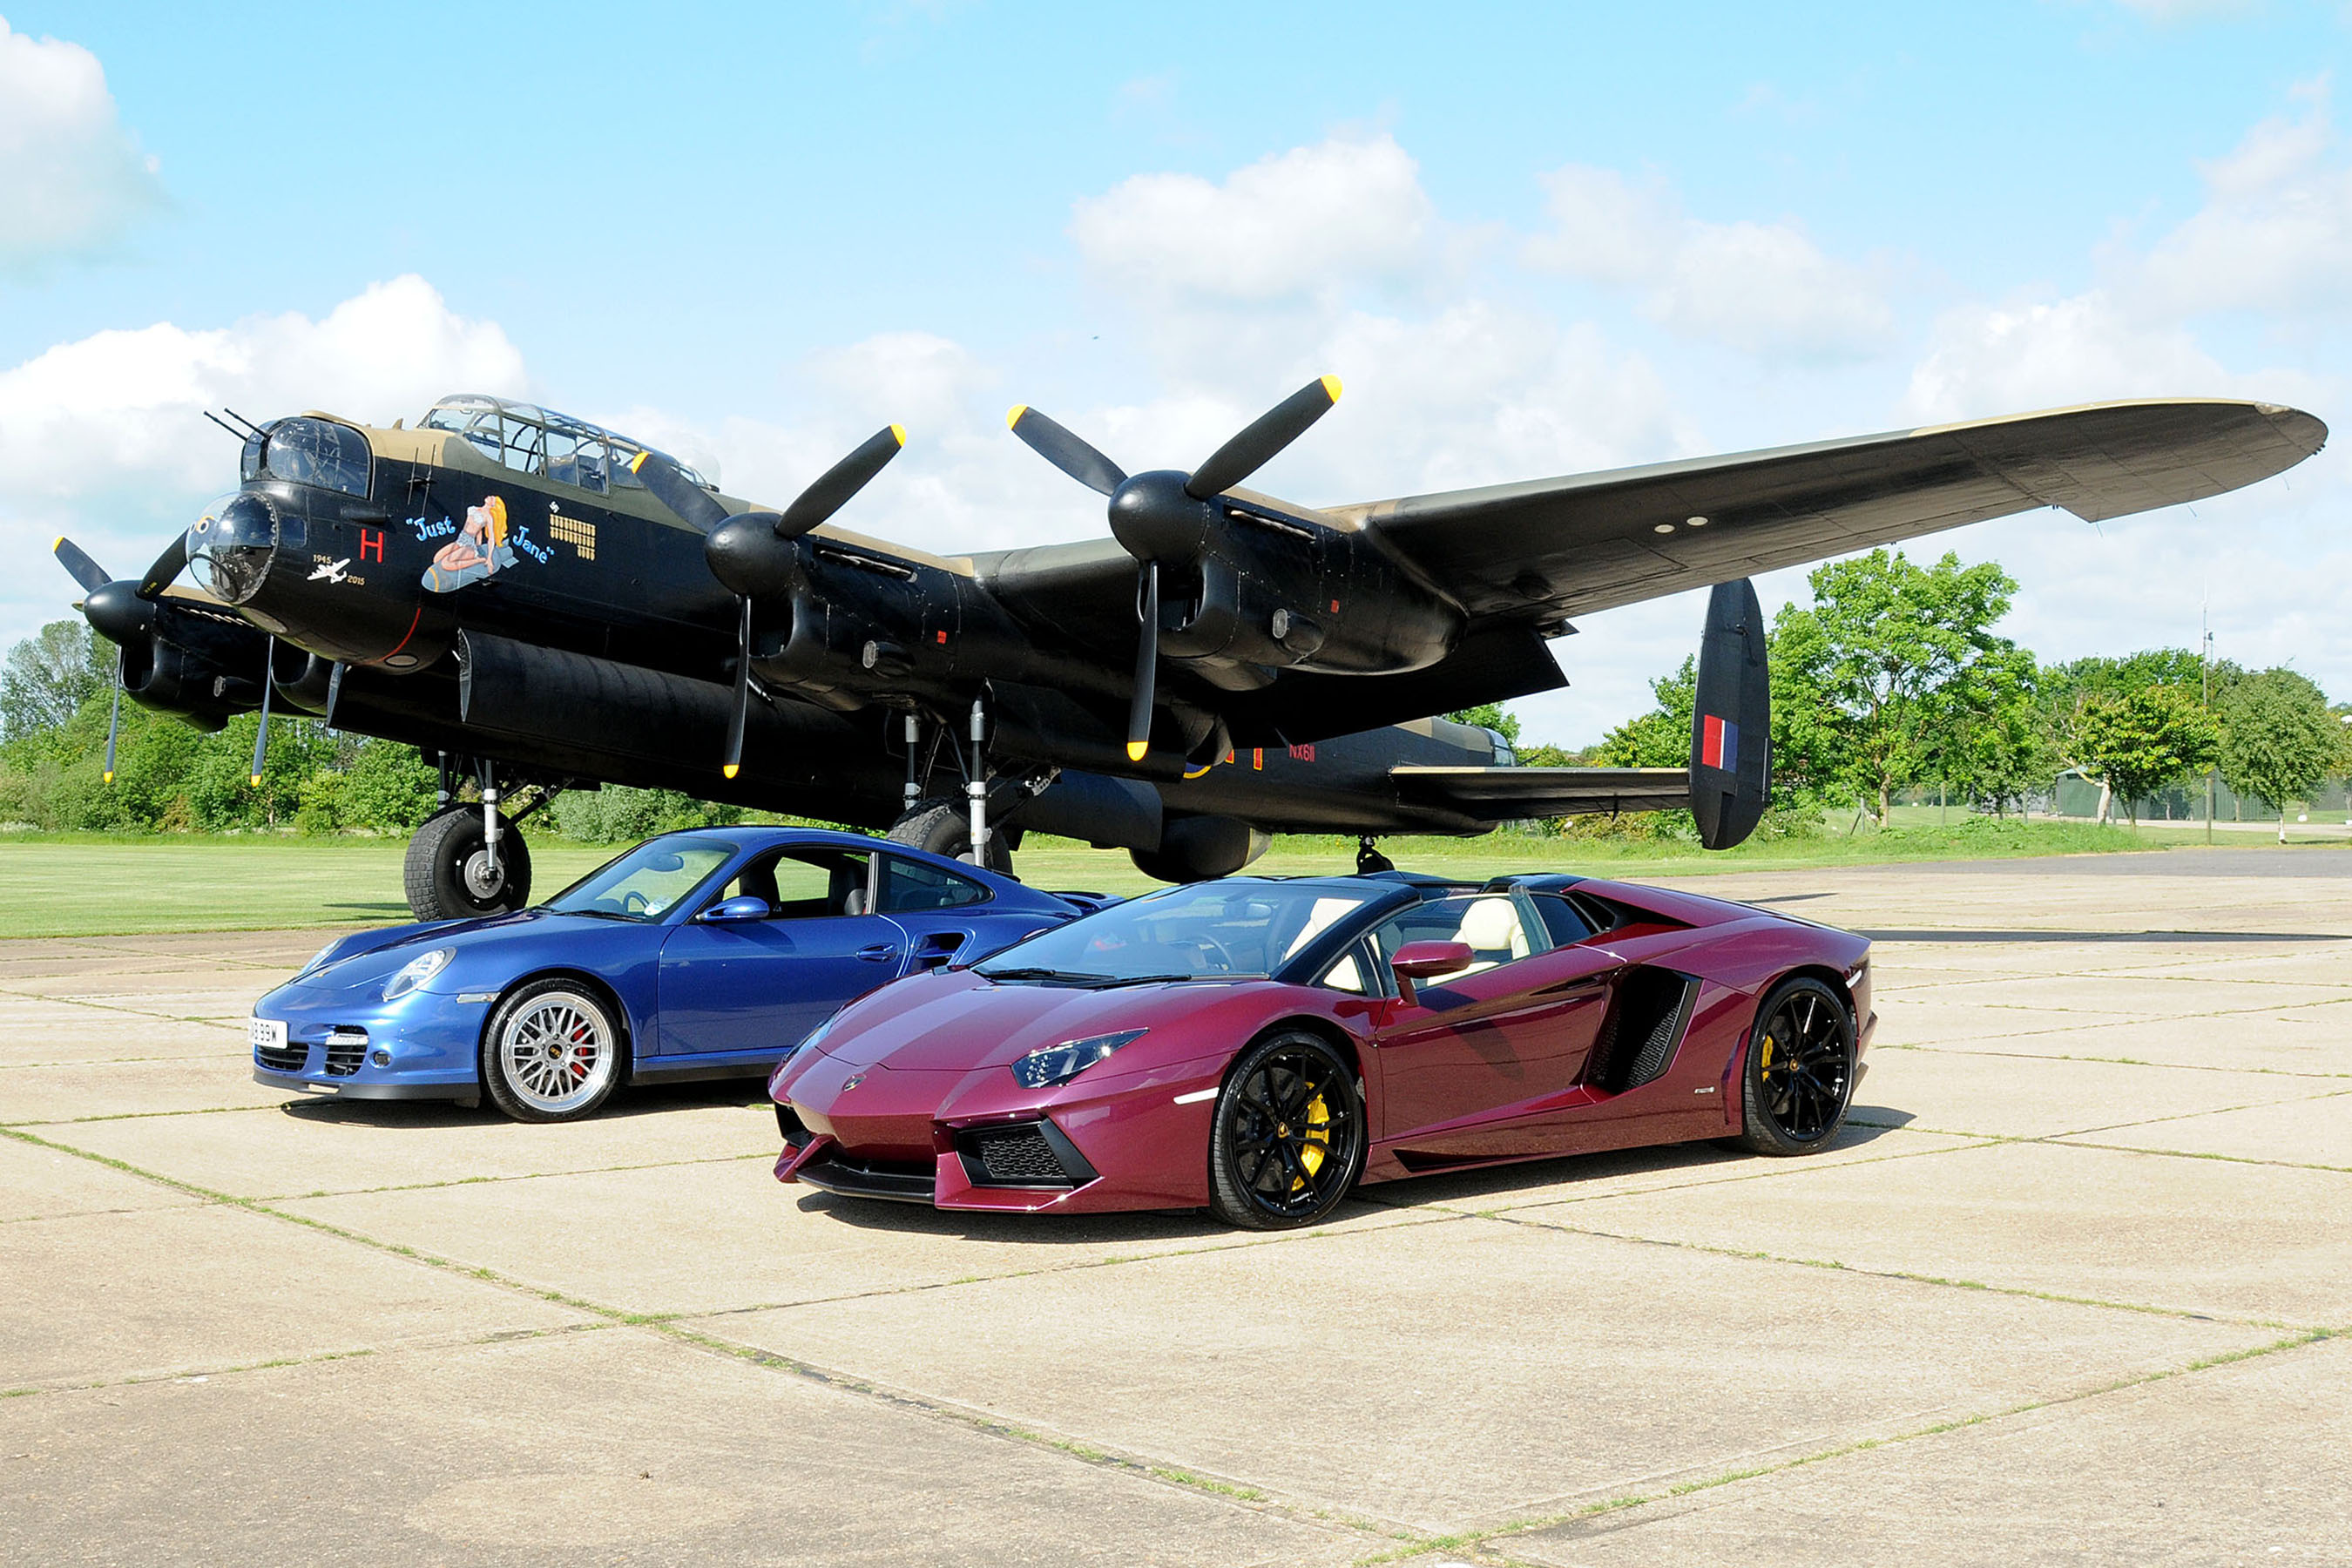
point(1060, 1064)
point(416, 972)
point(316, 958)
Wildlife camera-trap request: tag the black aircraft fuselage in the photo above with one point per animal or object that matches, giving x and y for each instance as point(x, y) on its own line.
point(496, 584)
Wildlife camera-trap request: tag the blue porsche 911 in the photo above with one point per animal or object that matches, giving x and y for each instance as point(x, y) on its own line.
point(704, 954)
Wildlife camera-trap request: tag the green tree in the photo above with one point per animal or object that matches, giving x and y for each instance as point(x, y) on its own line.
point(1901, 650)
point(2278, 739)
point(51, 675)
point(617, 814)
point(1993, 748)
point(2135, 724)
point(388, 787)
point(2137, 742)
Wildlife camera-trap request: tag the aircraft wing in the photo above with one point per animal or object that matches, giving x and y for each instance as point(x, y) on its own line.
point(1544, 548)
point(1522, 558)
point(1506, 795)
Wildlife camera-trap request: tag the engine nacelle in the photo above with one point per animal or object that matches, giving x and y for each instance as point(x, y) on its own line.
point(1200, 848)
point(1276, 593)
point(203, 667)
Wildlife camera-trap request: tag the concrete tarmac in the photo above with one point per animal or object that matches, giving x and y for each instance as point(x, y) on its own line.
point(2067, 1289)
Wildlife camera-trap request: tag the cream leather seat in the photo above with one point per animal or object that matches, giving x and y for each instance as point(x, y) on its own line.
point(1490, 929)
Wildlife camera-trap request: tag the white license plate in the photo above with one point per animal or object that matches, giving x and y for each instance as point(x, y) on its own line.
point(266, 1034)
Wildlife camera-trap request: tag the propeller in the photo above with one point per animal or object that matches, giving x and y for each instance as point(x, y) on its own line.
point(268, 680)
point(756, 554)
point(1165, 516)
point(742, 714)
point(75, 561)
point(95, 585)
point(166, 570)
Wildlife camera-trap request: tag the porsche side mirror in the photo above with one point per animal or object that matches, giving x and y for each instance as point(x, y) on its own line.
point(1421, 960)
point(750, 907)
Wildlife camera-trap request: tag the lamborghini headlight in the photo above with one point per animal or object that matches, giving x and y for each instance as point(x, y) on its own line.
point(416, 972)
point(1060, 1064)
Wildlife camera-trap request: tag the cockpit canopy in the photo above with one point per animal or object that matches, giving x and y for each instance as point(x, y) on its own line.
point(534, 440)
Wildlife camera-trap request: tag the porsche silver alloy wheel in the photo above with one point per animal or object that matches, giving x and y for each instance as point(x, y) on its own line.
point(552, 1053)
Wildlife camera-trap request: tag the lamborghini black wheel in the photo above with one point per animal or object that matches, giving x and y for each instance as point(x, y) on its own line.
point(1288, 1140)
point(1799, 1072)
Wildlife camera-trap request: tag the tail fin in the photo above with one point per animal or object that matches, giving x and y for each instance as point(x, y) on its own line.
point(1731, 724)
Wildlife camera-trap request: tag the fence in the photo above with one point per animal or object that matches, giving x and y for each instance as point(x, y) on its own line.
point(2075, 796)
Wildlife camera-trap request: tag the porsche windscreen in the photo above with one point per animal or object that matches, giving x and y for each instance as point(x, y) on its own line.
point(1211, 929)
point(645, 883)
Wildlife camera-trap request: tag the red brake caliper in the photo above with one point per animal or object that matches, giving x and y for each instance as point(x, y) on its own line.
point(579, 1067)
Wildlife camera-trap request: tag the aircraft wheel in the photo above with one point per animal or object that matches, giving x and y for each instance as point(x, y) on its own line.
point(944, 827)
point(448, 877)
point(1288, 1138)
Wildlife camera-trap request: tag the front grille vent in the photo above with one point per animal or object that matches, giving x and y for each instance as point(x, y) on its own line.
point(1020, 1158)
point(346, 1048)
point(291, 1057)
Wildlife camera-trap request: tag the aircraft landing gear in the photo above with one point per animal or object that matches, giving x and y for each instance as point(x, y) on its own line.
point(951, 827)
point(944, 827)
point(467, 862)
point(1369, 858)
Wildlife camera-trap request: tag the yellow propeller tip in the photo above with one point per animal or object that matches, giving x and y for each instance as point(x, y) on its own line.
point(1135, 749)
point(257, 780)
point(106, 778)
point(1013, 415)
point(730, 770)
point(638, 461)
point(898, 433)
point(1331, 387)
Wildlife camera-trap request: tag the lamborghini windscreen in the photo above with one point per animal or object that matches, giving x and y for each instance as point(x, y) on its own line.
point(1207, 930)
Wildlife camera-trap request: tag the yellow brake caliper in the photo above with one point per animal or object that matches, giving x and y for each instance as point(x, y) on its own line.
point(1317, 1141)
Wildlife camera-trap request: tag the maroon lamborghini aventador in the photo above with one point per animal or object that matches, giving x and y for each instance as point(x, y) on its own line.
point(1260, 1045)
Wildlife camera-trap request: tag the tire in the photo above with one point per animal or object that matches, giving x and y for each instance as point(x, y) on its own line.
point(944, 827)
point(552, 1052)
point(444, 875)
point(1288, 1140)
point(1799, 1075)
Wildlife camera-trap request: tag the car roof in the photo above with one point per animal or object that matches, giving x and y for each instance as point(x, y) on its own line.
point(769, 836)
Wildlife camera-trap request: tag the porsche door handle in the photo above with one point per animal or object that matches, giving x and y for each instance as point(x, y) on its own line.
point(880, 953)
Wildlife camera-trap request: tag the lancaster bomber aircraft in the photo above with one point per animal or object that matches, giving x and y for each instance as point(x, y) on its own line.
point(542, 605)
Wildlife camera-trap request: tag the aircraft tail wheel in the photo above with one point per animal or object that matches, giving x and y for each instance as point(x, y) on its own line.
point(944, 827)
point(448, 875)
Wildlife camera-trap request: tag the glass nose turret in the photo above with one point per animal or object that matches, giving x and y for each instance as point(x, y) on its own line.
point(232, 544)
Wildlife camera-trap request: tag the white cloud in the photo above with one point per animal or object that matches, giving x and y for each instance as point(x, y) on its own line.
point(72, 178)
point(1761, 287)
point(2276, 231)
point(105, 437)
point(1290, 226)
point(1985, 360)
point(2168, 12)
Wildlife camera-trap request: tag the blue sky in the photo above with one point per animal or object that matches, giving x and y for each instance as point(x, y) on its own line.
point(1532, 238)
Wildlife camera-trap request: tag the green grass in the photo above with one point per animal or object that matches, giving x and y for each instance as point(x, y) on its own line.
point(102, 884)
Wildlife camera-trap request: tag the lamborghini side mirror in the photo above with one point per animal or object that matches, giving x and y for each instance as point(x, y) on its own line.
point(1421, 960)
